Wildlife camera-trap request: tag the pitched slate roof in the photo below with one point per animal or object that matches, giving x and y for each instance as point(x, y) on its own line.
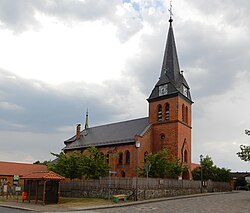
point(45, 175)
point(170, 72)
point(11, 168)
point(109, 134)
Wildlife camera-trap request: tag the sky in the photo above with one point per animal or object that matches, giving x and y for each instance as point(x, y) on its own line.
point(60, 58)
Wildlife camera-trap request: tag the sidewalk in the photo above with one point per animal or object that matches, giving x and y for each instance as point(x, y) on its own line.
point(66, 208)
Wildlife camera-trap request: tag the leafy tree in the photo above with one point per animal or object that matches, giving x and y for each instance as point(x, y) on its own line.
point(211, 172)
point(69, 166)
point(244, 154)
point(162, 165)
point(43, 163)
point(91, 164)
point(94, 165)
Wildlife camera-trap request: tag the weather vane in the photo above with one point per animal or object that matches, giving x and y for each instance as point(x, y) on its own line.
point(170, 10)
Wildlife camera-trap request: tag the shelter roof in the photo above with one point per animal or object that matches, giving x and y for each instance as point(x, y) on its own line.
point(13, 168)
point(45, 175)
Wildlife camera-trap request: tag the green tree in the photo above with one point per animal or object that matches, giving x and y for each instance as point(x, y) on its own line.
point(91, 164)
point(244, 153)
point(211, 172)
point(69, 166)
point(43, 163)
point(162, 165)
point(94, 164)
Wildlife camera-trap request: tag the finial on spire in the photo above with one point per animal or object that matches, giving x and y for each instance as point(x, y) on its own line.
point(87, 120)
point(171, 12)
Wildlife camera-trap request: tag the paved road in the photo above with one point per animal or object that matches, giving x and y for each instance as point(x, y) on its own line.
point(9, 210)
point(229, 203)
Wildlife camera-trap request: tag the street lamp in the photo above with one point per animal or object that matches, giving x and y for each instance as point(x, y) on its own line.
point(201, 158)
point(137, 146)
point(247, 132)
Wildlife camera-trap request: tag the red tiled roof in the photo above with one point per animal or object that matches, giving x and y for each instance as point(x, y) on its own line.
point(47, 175)
point(10, 168)
point(194, 166)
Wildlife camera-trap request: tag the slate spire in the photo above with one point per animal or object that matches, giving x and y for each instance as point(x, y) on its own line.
point(171, 81)
point(170, 65)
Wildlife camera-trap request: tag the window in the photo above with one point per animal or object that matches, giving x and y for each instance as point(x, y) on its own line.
point(186, 115)
point(120, 160)
point(159, 113)
point(167, 112)
point(145, 156)
point(184, 152)
point(185, 156)
point(107, 158)
point(127, 157)
point(162, 136)
point(183, 112)
point(102, 156)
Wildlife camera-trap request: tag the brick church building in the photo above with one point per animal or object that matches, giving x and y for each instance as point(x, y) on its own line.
point(168, 124)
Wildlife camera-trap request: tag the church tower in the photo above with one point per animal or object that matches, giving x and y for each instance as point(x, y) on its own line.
point(170, 112)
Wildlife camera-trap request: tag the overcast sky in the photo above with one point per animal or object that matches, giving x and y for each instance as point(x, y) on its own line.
point(58, 58)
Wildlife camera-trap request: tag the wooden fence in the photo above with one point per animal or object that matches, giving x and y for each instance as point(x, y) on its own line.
point(143, 184)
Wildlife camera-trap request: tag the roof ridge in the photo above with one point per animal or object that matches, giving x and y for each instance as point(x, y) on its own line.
point(119, 122)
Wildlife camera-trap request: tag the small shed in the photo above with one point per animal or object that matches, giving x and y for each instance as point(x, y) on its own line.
point(43, 186)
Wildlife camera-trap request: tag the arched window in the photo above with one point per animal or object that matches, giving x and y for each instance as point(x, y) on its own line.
point(167, 112)
point(185, 156)
point(107, 158)
point(186, 115)
point(183, 112)
point(159, 113)
point(127, 157)
point(162, 136)
point(120, 160)
point(145, 156)
point(184, 152)
point(102, 156)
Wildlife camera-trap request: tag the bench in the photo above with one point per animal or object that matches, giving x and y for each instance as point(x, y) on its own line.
point(119, 197)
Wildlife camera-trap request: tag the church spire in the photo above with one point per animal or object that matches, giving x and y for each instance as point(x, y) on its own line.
point(171, 81)
point(170, 65)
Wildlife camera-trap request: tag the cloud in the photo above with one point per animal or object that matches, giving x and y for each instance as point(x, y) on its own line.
point(36, 106)
point(213, 49)
point(20, 16)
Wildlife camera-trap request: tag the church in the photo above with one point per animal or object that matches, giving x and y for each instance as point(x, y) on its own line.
point(168, 124)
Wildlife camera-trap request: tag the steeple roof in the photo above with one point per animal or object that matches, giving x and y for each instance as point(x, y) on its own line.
point(170, 65)
point(171, 78)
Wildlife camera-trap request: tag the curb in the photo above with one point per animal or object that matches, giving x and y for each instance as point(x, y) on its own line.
point(16, 207)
